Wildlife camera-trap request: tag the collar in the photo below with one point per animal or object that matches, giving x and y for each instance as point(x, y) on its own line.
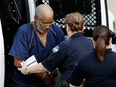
point(76, 35)
point(109, 50)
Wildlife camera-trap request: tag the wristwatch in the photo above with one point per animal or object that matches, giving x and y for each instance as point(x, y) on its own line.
point(26, 72)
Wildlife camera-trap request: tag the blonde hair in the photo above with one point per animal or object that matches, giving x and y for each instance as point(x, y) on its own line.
point(75, 21)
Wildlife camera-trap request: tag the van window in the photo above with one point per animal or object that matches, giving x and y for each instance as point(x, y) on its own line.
point(14, 11)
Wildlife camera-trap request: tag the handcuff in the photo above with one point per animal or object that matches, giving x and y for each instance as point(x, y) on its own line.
point(45, 74)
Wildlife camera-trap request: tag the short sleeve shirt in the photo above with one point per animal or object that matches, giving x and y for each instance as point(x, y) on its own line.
point(26, 43)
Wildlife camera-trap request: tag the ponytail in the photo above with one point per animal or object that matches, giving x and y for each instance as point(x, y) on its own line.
point(101, 35)
point(100, 48)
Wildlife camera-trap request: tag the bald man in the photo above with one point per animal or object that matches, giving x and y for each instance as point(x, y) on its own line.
point(36, 38)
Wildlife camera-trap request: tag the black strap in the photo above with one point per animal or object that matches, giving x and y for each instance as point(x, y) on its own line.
point(31, 39)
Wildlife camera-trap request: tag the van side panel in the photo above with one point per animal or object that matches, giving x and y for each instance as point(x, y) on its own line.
point(2, 60)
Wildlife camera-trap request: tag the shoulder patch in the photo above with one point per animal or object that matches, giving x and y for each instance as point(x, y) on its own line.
point(55, 49)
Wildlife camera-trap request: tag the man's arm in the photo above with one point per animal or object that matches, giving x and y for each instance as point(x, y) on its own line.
point(17, 62)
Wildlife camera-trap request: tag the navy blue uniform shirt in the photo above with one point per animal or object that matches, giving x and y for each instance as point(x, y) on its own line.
point(96, 73)
point(27, 43)
point(65, 55)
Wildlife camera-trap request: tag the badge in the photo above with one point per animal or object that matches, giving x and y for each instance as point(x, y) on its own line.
point(55, 49)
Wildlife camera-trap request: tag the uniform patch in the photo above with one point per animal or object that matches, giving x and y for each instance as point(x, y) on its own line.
point(55, 49)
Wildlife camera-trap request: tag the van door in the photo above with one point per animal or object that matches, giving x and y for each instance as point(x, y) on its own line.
point(13, 13)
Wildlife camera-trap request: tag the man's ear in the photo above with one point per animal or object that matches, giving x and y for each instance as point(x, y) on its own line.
point(93, 41)
point(35, 18)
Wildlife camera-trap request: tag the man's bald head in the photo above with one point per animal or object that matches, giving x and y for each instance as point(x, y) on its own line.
point(45, 10)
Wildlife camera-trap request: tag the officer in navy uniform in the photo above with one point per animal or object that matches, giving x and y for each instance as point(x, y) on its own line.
point(98, 68)
point(65, 54)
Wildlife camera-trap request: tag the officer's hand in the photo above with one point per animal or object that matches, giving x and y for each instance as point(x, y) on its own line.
point(23, 68)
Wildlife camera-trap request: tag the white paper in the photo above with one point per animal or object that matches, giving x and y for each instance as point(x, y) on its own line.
point(30, 61)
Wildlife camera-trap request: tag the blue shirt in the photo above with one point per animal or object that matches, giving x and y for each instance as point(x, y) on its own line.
point(65, 55)
point(96, 73)
point(26, 43)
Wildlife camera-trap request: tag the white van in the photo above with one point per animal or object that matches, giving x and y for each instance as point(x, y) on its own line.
point(14, 13)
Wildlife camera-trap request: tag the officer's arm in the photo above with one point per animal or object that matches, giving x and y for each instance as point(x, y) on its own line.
point(73, 85)
point(38, 68)
point(17, 62)
point(76, 86)
point(82, 84)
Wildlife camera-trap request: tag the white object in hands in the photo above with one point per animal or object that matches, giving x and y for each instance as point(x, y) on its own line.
point(30, 61)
